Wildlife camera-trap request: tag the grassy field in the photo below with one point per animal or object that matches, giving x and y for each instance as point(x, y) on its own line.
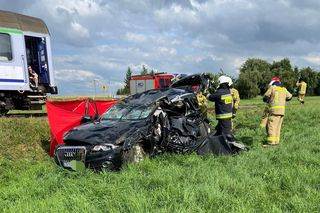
point(285, 178)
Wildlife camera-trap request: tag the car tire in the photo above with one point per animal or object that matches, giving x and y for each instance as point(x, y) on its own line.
point(134, 155)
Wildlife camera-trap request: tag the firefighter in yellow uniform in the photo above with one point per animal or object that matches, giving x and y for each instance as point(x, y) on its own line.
point(302, 86)
point(203, 104)
point(235, 103)
point(276, 96)
point(265, 116)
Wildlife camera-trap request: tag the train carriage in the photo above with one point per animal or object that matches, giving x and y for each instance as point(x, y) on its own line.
point(24, 41)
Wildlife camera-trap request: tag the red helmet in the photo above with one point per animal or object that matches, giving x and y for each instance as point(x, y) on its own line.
point(275, 79)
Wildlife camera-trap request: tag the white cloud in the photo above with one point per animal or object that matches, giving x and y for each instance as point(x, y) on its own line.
point(315, 59)
point(197, 43)
point(98, 38)
point(112, 65)
point(237, 62)
point(177, 14)
point(136, 37)
point(79, 7)
point(167, 51)
point(215, 58)
point(65, 75)
point(77, 31)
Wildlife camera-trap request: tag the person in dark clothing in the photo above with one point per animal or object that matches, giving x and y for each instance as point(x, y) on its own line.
point(223, 107)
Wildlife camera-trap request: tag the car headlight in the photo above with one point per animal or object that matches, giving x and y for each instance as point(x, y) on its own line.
point(104, 147)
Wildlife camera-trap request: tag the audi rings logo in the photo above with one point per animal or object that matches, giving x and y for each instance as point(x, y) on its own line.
point(69, 154)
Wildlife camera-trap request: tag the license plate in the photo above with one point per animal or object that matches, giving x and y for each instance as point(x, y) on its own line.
point(66, 164)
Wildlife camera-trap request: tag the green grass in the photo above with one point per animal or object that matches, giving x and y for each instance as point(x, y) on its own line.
point(276, 179)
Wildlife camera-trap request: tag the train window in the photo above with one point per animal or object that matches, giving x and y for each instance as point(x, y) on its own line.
point(5, 47)
point(162, 83)
point(168, 82)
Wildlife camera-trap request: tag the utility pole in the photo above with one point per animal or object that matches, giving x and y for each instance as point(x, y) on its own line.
point(110, 90)
point(95, 81)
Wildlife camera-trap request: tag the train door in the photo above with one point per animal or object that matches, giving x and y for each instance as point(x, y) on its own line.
point(37, 58)
point(43, 62)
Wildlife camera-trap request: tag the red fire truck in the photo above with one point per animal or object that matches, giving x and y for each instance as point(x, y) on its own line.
point(141, 83)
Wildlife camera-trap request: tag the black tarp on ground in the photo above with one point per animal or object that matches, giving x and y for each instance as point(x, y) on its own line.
point(215, 145)
point(219, 145)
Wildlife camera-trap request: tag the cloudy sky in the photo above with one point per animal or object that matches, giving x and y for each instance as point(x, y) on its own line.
point(99, 39)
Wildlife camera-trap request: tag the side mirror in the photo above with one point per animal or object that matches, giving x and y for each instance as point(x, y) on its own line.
point(86, 119)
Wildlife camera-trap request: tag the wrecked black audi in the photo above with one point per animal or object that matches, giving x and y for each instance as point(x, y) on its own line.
point(144, 124)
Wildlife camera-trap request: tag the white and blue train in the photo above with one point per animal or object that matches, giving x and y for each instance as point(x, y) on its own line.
point(24, 41)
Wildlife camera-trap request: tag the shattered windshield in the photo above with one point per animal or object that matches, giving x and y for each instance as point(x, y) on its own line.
point(127, 112)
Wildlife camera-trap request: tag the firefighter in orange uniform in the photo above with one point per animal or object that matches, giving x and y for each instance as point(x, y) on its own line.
point(265, 116)
point(276, 96)
point(302, 86)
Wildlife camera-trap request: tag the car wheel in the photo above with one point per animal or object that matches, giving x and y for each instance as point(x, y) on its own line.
point(134, 155)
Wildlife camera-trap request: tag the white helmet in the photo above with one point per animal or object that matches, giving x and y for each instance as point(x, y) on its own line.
point(225, 79)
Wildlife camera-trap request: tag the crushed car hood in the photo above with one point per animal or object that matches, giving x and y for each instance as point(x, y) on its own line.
point(107, 131)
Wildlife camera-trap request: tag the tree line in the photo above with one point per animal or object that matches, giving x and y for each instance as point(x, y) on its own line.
point(254, 77)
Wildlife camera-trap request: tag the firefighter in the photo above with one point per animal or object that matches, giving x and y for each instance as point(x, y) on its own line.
point(276, 96)
point(302, 86)
point(235, 101)
point(265, 115)
point(203, 104)
point(223, 107)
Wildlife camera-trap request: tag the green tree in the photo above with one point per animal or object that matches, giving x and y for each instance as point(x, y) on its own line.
point(213, 80)
point(120, 91)
point(144, 70)
point(126, 89)
point(127, 81)
point(254, 78)
point(284, 71)
point(311, 78)
point(247, 85)
point(317, 89)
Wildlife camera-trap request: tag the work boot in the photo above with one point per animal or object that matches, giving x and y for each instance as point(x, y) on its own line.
point(230, 138)
point(269, 145)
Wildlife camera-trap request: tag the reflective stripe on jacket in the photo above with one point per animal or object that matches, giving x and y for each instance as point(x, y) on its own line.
point(277, 97)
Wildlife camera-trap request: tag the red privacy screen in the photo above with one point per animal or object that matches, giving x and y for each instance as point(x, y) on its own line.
point(64, 115)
